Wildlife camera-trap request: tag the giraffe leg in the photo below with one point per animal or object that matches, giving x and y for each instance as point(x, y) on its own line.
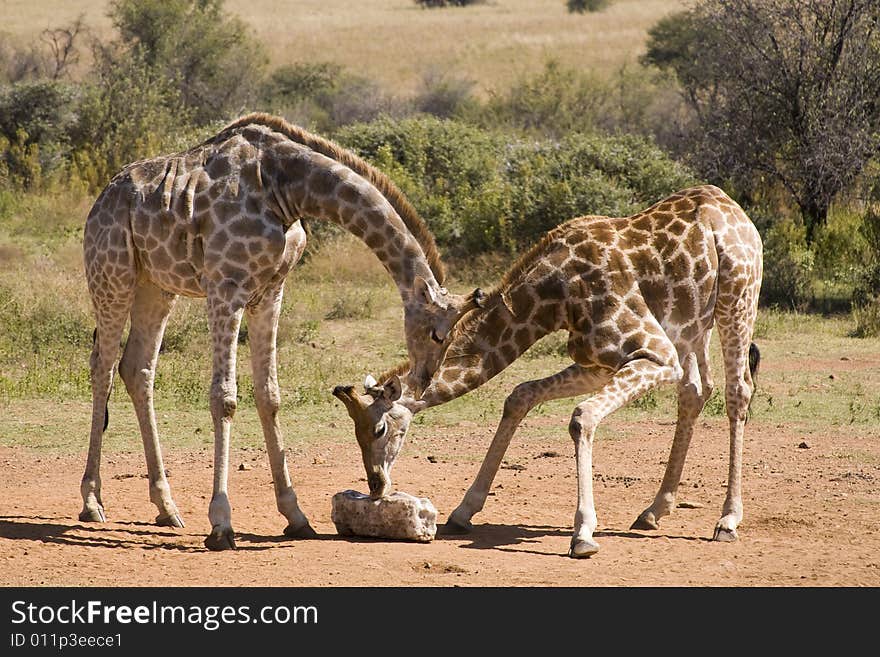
point(262, 328)
point(631, 381)
point(694, 389)
point(105, 350)
point(137, 369)
point(738, 393)
point(574, 380)
point(225, 318)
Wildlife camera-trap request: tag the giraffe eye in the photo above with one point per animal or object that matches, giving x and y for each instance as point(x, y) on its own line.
point(380, 430)
point(435, 337)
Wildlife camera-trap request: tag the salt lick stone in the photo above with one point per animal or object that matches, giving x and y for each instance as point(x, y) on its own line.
point(398, 516)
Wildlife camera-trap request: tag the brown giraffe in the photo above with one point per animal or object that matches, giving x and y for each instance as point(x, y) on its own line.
point(222, 221)
point(639, 297)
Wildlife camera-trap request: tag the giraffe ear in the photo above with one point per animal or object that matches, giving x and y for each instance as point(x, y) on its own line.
point(392, 389)
point(477, 299)
point(424, 291)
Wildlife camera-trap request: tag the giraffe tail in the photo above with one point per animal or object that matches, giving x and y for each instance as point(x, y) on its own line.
point(107, 405)
point(754, 360)
point(754, 366)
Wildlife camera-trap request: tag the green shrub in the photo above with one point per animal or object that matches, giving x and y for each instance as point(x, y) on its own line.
point(445, 96)
point(211, 58)
point(788, 266)
point(866, 295)
point(129, 111)
point(866, 317)
point(483, 190)
point(555, 102)
point(439, 165)
point(36, 118)
point(583, 6)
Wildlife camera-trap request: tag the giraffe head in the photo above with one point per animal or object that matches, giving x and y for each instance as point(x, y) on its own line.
point(380, 425)
point(429, 317)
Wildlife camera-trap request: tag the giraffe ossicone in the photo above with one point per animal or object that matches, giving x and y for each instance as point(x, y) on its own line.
point(222, 220)
point(639, 297)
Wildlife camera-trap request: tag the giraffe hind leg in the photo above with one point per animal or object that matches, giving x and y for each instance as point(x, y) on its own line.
point(137, 369)
point(105, 350)
point(634, 379)
point(694, 390)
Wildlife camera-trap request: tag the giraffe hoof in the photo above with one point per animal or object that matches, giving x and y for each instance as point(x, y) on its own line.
point(302, 531)
point(582, 548)
point(454, 528)
point(220, 539)
point(645, 521)
point(171, 520)
point(724, 535)
point(93, 515)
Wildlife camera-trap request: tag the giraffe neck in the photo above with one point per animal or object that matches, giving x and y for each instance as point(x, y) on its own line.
point(308, 184)
point(487, 341)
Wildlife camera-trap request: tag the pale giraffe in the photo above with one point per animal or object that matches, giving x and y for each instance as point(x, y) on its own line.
point(639, 297)
point(222, 221)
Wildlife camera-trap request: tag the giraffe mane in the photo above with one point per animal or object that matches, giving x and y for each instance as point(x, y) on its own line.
point(379, 180)
point(398, 370)
point(522, 264)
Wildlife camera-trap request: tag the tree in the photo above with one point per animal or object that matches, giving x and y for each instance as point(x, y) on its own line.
point(214, 60)
point(784, 89)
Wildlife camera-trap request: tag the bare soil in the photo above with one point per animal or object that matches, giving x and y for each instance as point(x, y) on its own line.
point(811, 501)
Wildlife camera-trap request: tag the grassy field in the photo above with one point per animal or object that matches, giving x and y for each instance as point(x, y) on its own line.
point(342, 315)
point(396, 43)
point(341, 320)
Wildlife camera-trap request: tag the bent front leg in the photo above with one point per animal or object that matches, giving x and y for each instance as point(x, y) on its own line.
point(573, 380)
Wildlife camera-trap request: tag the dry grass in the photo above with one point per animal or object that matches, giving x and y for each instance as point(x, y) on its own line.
point(396, 42)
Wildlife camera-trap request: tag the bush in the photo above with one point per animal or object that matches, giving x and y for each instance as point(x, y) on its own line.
point(866, 296)
point(129, 111)
point(788, 266)
point(36, 118)
point(323, 97)
point(482, 190)
point(212, 59)
point(583, 6)
point(445, 96)
point(555, 102)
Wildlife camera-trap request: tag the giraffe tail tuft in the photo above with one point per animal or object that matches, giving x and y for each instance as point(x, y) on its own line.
point(754, 366)
point(107, 405)
point(754, 360)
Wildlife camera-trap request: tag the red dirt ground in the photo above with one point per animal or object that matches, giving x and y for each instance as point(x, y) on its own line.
point(811, 515)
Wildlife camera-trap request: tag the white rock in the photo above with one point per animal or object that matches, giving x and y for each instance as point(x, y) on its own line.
point(398, 516)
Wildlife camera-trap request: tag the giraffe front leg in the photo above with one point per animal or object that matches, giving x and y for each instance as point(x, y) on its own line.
point(262, 324)
point(573, 380)
point(225, 318)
